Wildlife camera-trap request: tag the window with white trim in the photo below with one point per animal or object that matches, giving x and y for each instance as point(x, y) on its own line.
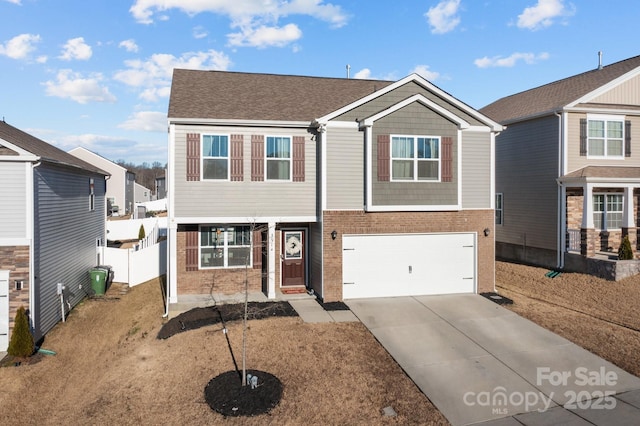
point(225, 246)
point(608, 211)
point(605, 136)
point(215, 157)
point(499, 209)
point(278, 157)
point(415, 158)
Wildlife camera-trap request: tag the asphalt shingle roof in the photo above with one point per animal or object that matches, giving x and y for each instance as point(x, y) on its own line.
point(42, 149)
point(553, 96)
point(251, 96)
point(606, 172)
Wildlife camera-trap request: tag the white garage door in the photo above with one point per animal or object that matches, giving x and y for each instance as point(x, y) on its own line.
point(408, 264)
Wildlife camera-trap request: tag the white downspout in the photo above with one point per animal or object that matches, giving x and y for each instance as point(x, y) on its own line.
point(562, 225)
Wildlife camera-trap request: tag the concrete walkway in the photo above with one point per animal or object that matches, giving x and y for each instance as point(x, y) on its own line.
point(311, 311)
point(479, 362)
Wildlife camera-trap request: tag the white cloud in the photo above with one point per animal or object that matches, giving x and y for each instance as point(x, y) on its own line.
point(543, 14)
point(148, 121)
point(443, 17)
point(153, 76)
point(76, 48)
point(18, 2)
point(199, 32)
point(425, 72)
point(70, 85)
point(363, 74)
point(256, 19)
point(263, 36)
point(20, 46)
point(129, 45)
point(510, 61)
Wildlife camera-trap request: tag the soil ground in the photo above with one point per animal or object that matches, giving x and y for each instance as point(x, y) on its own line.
point(110, 367)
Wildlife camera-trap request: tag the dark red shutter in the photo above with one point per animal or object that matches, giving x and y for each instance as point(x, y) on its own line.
point(627, 138)
point(583, 136)
point(191, 243)
point(384, 152)
point(237, 164)
point(257, 157)
point(257, 249)
point(446, 151)
point(298, 158)
point(193, 156)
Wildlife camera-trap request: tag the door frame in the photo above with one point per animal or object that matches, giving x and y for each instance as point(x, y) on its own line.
point(305, 256)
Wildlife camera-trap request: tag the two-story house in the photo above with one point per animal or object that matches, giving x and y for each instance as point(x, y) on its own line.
point(120, 186)
point(351, 188)
point(52, 229)
point(568, 168)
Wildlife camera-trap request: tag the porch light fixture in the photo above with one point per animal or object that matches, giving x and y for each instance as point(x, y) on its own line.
point(487, 231)
point(334, 234)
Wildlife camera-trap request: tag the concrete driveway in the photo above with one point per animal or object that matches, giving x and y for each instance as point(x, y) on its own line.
point(478, 362)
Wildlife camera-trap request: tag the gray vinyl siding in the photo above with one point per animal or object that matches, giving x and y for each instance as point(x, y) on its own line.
point(476, 170)
point(13, 193)
point(401, 93)
point(245, 199)
point(65, 238)
point(414, 119)
point(526, 172)
point(575, 161)
point(345, 169)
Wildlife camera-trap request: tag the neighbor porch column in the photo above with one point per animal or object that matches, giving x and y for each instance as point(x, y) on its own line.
point(271, 269)
point(587, 231)
point(628, 219)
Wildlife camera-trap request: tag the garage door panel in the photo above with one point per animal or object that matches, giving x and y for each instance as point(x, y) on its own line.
point(408, 264)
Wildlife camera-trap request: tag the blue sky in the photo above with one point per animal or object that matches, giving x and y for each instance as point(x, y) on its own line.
point(97, 73)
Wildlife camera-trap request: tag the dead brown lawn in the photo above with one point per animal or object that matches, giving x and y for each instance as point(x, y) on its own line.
point(111, 369)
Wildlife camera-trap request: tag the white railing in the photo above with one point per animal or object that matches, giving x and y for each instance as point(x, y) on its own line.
point(573, 240)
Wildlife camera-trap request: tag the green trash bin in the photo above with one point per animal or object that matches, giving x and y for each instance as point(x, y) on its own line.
point(98, 280)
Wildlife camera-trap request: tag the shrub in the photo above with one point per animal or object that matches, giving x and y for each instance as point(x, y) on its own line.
point(625, 252)
point(141, 233)
point(21, 344)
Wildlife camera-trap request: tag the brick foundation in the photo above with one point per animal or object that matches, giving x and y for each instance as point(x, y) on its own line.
point(359, 222)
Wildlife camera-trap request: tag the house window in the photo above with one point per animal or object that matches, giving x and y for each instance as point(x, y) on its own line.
point(415, 158)
point(605, 136)
point(92, 196)
point(499, 209)
point(225, 246)
point(607, 211)
point(278, 157)
point(215, 157)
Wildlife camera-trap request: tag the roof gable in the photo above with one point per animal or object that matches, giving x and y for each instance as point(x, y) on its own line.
point(567, 92)
point(40, 150)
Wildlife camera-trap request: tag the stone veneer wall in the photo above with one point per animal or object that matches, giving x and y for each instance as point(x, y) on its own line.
point(15, 259)
point(360, 222)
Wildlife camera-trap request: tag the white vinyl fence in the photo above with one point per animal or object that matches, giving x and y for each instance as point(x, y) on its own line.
point(143, 262)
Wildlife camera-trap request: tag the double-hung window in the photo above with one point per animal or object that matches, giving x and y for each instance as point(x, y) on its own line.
point(607, 211)
point(499, 209)
point(215, 157)
point(415, 158)
point(225, 246)
point(605, 136)
point(278, 157)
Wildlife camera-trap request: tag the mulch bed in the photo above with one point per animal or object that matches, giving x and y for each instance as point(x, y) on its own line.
point(226, 395)
point(202, 317)
point(497, 298)
point(333, 306)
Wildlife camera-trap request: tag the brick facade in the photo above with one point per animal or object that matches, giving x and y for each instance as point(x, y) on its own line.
point(359, 222)
point(15, 259)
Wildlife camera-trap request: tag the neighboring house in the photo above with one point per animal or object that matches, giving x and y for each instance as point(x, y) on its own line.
point(142, 194)
point(568, 168)
point(52, 227)
point(161, 187)
point(350, 188)
point(119, 193)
